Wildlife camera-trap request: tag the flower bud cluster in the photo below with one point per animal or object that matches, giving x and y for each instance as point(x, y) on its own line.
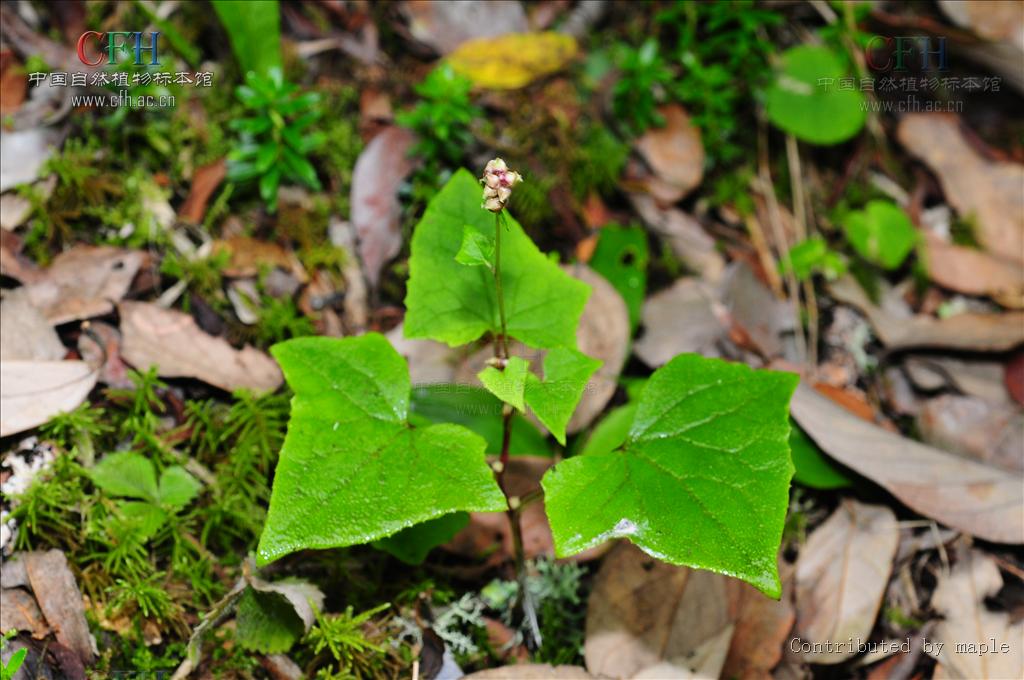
point(498, 181)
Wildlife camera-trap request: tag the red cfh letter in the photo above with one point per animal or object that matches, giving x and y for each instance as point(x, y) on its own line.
point(81, 48)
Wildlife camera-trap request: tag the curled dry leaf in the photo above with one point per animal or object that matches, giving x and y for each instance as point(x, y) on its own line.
point(967, 331)
point(446, 25)
point(991, 194)
point(959, 596)
point(649, 619)
point(687, 239)
point(100, 345)
point(675, 153)
point(171, 341)
point(979, 499)
point(679, 319)
point(534, 671)
point(357, 314)
point(32, 392)
point(380, 169)
point(603, 333)
point(841, 577)
point(205, 181)
point(84, 282)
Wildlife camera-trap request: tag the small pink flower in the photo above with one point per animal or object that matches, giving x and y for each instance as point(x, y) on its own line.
point(498, 181)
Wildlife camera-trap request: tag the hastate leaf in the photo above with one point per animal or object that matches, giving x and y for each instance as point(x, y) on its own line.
point(702, 480)
point(554, 398)
point(456, 304)
point(352, 469)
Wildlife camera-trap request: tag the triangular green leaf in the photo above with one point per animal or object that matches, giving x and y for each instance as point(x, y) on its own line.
point(477, 250)
point(703, 479)
point(450, 302)
point(554, 399)
point(177, 487)
point(412, 545)
point(127, 473)
point(266, 622)
point(507, 384)
point(352, 469)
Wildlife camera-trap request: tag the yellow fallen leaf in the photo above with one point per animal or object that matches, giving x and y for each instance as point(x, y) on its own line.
point(512, 61)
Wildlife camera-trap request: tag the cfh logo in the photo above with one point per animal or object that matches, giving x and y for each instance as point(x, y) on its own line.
point(116, 44)
point(904, 52)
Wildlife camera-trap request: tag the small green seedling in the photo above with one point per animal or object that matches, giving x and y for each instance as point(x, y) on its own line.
point(643, 84)
point(275, 139)
point(9, 669)
point(441, 119)
point(698, 473)
point(813, 256)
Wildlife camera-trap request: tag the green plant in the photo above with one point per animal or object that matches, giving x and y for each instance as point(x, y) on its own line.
point(342, 638)
point(807, 101)
point(881, 233)
point(254, 28)
point(811, 256)
point(700, 478)
point(441, 119)
point(9, 669)
point(275, 140)
point(645, 82)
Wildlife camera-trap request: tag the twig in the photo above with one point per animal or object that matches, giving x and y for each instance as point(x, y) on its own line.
point(767, 189)
point(796, 182)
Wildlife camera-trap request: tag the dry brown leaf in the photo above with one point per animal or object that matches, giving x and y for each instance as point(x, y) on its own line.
point(685, 236)
point(978, 499)
point(649, 619)
point(18, 610)
point(100, 345)
point(248, 255)
point(535, 671)
point(25, 154)
point(380, 169)
point(32, 392)
point(959, 597)
point(674, 152)
point(60, 601)
point(967, 331)
point(205, 181)
point(755, 313)
point(991, 194)
point(970, 376)
point(676, 320)
point(603, 333)
point(25, 334)
point(446, 25)
point(975, 272)
point(171, 341)
point(84, 282)
point(841, 577)
point(13, 82)
point(989, 432)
